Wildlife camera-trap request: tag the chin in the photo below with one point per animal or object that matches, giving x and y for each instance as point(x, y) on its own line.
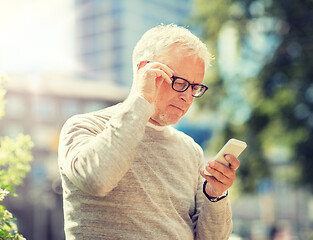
point(164, 120)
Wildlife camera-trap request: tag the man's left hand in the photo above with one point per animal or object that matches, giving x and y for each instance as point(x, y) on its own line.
point(222, 177)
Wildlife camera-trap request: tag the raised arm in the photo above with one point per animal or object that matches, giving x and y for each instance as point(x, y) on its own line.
point(97, 149)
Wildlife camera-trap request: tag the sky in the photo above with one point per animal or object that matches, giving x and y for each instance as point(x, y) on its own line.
point(36, 35)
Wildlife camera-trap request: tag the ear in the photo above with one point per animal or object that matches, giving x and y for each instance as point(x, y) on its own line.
point(142, 64)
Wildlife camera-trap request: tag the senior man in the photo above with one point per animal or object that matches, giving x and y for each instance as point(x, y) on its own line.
point(127, 174)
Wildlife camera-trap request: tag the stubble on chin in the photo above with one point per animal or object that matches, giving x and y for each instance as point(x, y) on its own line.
point(163, 120)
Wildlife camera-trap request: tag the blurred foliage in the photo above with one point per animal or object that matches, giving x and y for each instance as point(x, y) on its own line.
point(15, 158)
point(266, 96)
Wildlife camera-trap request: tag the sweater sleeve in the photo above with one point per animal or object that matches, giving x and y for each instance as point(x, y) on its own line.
point(95, 158)
point(215, 220)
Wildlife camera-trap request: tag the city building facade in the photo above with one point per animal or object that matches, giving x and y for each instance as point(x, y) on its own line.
point(107, 32)
point(39, 105)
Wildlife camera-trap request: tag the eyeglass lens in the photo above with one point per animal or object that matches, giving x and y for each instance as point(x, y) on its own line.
point(182, 85)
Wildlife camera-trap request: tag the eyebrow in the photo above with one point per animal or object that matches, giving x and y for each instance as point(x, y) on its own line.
point(189, 81)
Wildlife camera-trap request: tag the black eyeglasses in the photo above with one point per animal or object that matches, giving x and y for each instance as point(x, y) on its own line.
point(181, 85)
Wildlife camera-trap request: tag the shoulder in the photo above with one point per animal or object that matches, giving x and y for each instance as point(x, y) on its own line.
point(90, 121)
point(186, 139)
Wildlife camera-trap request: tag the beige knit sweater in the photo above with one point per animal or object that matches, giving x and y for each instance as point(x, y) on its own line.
point(124, 179)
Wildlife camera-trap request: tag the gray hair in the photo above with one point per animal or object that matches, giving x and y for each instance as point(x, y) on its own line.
point(159, 39)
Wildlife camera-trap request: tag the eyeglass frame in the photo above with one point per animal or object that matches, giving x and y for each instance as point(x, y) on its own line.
point(189, 84)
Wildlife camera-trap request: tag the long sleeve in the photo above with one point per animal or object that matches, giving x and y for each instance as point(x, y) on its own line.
point(96, 149)
point(215, 220)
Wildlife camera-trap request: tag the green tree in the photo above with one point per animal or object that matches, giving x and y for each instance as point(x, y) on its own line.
point(287, 88)
point(263, 92)
point(15, 158)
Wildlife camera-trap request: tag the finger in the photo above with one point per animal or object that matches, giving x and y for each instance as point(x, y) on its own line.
point(214, 187)
point(221, 172)
point(162, 67)
point(234, 163)
point(219, 167)
point(217, 174)
point(210, 179)
point(159, 73)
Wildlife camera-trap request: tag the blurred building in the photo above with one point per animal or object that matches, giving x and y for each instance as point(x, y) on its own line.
point(107, 32)
point(39, 105)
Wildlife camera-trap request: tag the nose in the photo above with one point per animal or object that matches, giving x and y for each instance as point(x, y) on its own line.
point(187, 96)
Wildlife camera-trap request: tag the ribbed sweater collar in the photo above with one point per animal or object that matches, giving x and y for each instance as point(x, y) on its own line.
point(158, 128)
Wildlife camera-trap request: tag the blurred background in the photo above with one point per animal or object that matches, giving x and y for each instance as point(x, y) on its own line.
point(63, 57)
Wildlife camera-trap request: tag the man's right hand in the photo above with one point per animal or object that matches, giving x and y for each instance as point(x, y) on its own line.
point(149, 77)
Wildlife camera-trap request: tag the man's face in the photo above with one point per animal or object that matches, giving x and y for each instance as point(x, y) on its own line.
point(170, 105)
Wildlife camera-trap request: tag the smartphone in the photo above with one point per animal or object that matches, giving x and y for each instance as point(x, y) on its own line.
point(233, 147)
